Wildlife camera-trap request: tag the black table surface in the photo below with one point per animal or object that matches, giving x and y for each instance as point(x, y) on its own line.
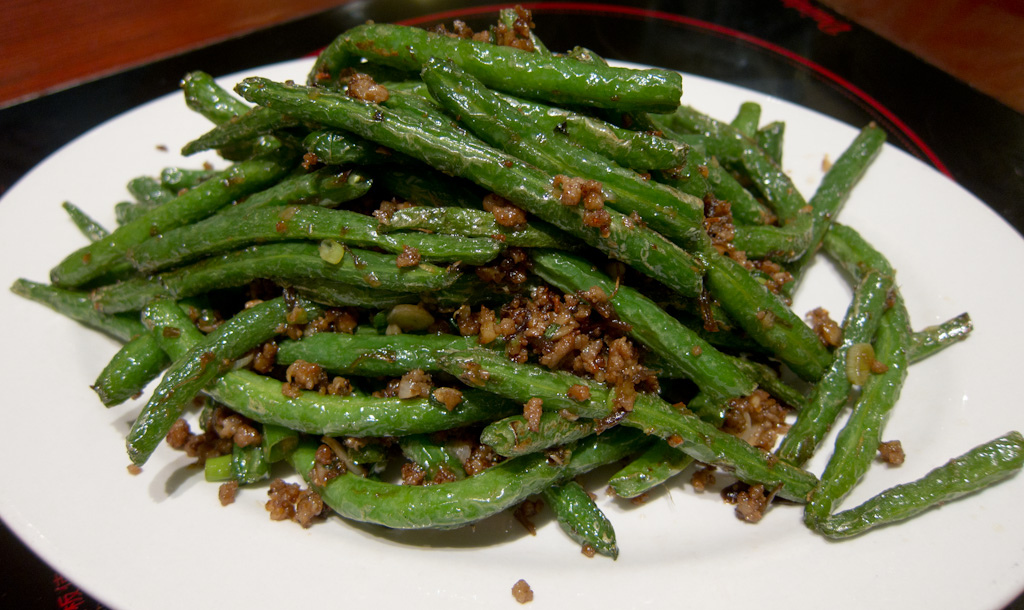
point(795, 50)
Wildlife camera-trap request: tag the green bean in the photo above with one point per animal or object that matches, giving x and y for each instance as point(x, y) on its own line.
point(436, 460)
point(732, 146)
point(770, 380)
point(221, 233)
point(425, 186)
point(455, 152)
point(858, 441)
point(77, 305)
point(209, 99)
point(277, 442)
point(92, 230)
point(340, 148)
point(280, 262)
point(782, 244)
point(712, 371)
point(128, 211)
point(245, 465)
point(765, 317)
point(146, 189)
point(746, 209)
point(676, 215)
point(532, 75)
point(240, 130)
point(981, 467)
point(830, 394)
point(769, 138)
point(747, 118)
point(512, 435)
point(260, 398)
point(469, 500)
point(580, 517)
point(137, 363)
point(835, 188)
point(475, 223)
point(933, 339)
point(178, 178)
point(203, 363)
point(107, 254)
point(371, 355)
point(651, 468)
point(703, 441)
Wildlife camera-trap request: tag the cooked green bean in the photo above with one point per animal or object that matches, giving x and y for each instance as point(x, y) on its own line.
point(581, 519)
point(451, 150)
point(203, 363)
point(107, 254)
point(469, 500)
point(531, 75)
point(279, 262)
point(513, 435)
point(657, 464)
point(92, 230)
point(981, 467)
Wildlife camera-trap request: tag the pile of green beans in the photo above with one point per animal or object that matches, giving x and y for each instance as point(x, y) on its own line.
point(208, 268)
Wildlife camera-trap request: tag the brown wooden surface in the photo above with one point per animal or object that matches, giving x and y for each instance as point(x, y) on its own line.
point(979, 41)
point(47, 45)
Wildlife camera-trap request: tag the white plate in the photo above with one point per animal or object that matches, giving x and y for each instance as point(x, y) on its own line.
point(154, 540)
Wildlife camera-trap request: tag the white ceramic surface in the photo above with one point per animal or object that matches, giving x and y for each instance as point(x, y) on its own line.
point(154, 540)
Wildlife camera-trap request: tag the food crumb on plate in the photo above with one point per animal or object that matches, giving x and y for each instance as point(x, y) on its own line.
point(522, 592)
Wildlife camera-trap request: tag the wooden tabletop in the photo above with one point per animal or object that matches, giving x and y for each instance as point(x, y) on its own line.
point(46, 45)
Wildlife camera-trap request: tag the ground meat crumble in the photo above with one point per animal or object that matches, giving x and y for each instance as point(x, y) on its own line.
point(289, 501)
point(891, 452)
point(578, 333)
point(758, 419)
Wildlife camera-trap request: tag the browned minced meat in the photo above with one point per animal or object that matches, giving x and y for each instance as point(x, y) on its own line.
point(412, 474)
point(703, 478)
point(387, 208)
point(510, 269)
point(134, 469)
point(757, 419)
point(718, 223)
point(288, 501)
point(827, 329)
point(751, 503)
point(522, 592)
point(518, 35)
point(326, 466)
point(525, 512)
point(891, 452)
point(408, 257)
point(333, 320)
point(236, 428)
point(265, 358)
point(573, 191)
point(363, 87)
point(480, 459)
point(449, 397)
point(505, 212)
point(226, 492)
point(415, 384)
point(303, 375)
point(579, 392)
point(588, 549)
point(532, 411)
point(224, 429)
point(578, 333)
